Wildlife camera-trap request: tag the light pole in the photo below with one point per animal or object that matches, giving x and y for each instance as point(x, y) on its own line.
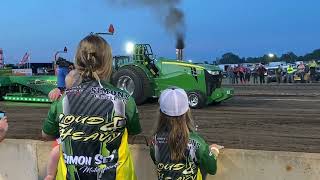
point(110, 31)
point(65, 50)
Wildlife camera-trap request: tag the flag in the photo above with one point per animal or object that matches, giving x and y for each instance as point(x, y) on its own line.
point(24, 59)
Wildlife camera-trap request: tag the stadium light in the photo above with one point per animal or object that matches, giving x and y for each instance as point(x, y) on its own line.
point(271, 55)
point(129, 47)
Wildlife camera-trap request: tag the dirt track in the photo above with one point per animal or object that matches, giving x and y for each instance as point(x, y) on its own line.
point(261, 117)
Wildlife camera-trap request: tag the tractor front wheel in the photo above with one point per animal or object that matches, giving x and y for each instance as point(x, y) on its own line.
point(196, 100)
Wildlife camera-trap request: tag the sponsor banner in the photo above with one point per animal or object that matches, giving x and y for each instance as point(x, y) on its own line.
point(5, 72)
point(22, 72)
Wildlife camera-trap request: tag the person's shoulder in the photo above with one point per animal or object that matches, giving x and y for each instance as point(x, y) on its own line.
point(112, 87)
point(198, 141)
point(116, 91)
point(196, 137)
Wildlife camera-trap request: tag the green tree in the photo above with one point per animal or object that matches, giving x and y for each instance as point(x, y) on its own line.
point(230, 58)
point(10, 66)
point(253, 59)
point(289, 57)
point(311, 56)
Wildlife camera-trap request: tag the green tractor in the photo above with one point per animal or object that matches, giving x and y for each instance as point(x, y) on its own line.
point(144, 77)
point(25, 88)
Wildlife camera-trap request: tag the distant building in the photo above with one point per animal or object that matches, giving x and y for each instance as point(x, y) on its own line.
point(279, 63)
point(42, 68)
point(37, 68)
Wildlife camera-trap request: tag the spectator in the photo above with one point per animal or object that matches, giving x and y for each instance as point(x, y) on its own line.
point(62, 70)
point(3, 127)
point(255, 74)
point(261, 72)
point(301, 71)
point(93, 120)
point(241, 74)
point(176, 144)
point(230, 74)
point(312, 67)
point(278, 74)
point(290, 72)
point(248, 75)
point(236, 75)
point(307, 73)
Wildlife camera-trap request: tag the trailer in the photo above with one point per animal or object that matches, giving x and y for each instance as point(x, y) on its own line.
point(25, 88)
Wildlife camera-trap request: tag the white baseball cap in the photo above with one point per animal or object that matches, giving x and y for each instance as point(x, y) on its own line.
point(174, 102)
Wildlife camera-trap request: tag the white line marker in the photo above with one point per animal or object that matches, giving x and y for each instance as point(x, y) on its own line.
point(302, 100)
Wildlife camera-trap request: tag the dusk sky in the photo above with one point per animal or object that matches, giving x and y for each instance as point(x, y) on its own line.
point(213, 27)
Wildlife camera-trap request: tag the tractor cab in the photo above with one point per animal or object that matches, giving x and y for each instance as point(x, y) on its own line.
point(143, 54)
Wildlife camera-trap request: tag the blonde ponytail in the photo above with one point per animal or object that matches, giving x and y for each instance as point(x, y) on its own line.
point(94, 59)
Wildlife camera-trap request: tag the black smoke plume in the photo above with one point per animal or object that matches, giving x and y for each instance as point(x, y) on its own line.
point(171, 17)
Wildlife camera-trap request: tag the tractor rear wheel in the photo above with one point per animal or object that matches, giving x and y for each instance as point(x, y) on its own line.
point(133, 80)
point(196, 99)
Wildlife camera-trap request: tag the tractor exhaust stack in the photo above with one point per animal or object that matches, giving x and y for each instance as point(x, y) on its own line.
point(179, 48)
point(179, 53)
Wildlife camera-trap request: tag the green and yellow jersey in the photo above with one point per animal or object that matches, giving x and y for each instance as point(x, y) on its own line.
point(198, 159)
point(93, 124)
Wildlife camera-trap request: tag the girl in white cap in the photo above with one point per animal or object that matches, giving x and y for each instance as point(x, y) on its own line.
point(176, 149)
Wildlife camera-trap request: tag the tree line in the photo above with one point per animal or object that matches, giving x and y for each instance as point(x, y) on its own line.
point(290, 57)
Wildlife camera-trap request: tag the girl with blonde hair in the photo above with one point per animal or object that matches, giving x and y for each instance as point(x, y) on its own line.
point(93, 120)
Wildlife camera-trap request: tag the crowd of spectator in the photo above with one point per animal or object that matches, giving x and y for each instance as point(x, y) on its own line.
point(261, 74)
point(243, 75)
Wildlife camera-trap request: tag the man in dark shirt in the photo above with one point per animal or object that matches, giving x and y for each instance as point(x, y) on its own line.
point(278, 73)
point(261, 72)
